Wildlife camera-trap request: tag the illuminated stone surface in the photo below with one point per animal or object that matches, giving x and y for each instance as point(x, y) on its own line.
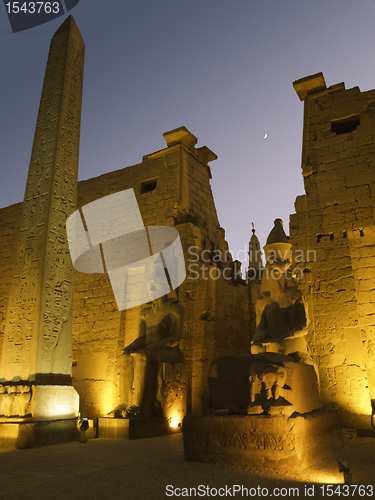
point(37, 342)
point(335, 220)
point(261, 441)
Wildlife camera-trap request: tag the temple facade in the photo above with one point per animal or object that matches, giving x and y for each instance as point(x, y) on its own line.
point(332, 233)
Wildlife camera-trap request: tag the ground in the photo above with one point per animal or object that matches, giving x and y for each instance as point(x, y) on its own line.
point(142, 469)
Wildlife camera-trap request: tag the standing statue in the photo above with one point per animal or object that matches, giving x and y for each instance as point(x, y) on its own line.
point(160, 331)
point(280, 312)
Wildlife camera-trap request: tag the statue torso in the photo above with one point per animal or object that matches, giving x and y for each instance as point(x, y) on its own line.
point(157, 323)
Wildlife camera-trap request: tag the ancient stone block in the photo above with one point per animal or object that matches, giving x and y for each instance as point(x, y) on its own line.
point(261, 441)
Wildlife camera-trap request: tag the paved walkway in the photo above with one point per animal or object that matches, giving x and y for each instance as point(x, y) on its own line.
point(112, 469)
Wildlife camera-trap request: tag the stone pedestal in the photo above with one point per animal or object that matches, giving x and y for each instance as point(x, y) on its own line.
point(38, 401)
point(54, 401)
point(42, 414)
point(29, 432)
point(262, 440)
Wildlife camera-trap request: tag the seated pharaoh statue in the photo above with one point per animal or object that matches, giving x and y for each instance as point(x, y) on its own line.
point(277, 377)
point(280, 312)
point(160, 331)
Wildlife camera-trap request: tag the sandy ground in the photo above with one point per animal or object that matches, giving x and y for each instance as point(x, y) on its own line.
point(142, 469)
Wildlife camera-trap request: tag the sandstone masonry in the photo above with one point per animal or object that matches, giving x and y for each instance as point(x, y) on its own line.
point(335, 218)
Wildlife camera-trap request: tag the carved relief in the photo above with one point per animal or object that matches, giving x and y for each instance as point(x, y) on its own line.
point(246, 441)
point(268, 386)
point(14, 400)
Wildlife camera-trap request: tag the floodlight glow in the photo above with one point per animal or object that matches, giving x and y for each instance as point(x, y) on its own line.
point(174, 422)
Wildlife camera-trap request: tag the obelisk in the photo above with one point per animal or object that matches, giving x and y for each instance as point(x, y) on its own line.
point(37, 348)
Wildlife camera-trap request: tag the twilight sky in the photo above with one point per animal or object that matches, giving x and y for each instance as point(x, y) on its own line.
point(222, 68)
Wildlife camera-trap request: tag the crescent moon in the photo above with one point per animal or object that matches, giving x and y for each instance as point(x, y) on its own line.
point(265, 136)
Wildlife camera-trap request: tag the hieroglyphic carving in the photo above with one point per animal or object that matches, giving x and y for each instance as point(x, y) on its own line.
point(247, 441)
point(41, 293)
point(174, 384)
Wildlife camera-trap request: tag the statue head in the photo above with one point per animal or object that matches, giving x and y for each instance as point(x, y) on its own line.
point(277, 248)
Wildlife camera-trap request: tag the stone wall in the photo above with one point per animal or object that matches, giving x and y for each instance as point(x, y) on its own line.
point(334, 224)
point(216, 309)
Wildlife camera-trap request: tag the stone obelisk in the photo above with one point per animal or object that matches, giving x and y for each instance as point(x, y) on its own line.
point(35, 367)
